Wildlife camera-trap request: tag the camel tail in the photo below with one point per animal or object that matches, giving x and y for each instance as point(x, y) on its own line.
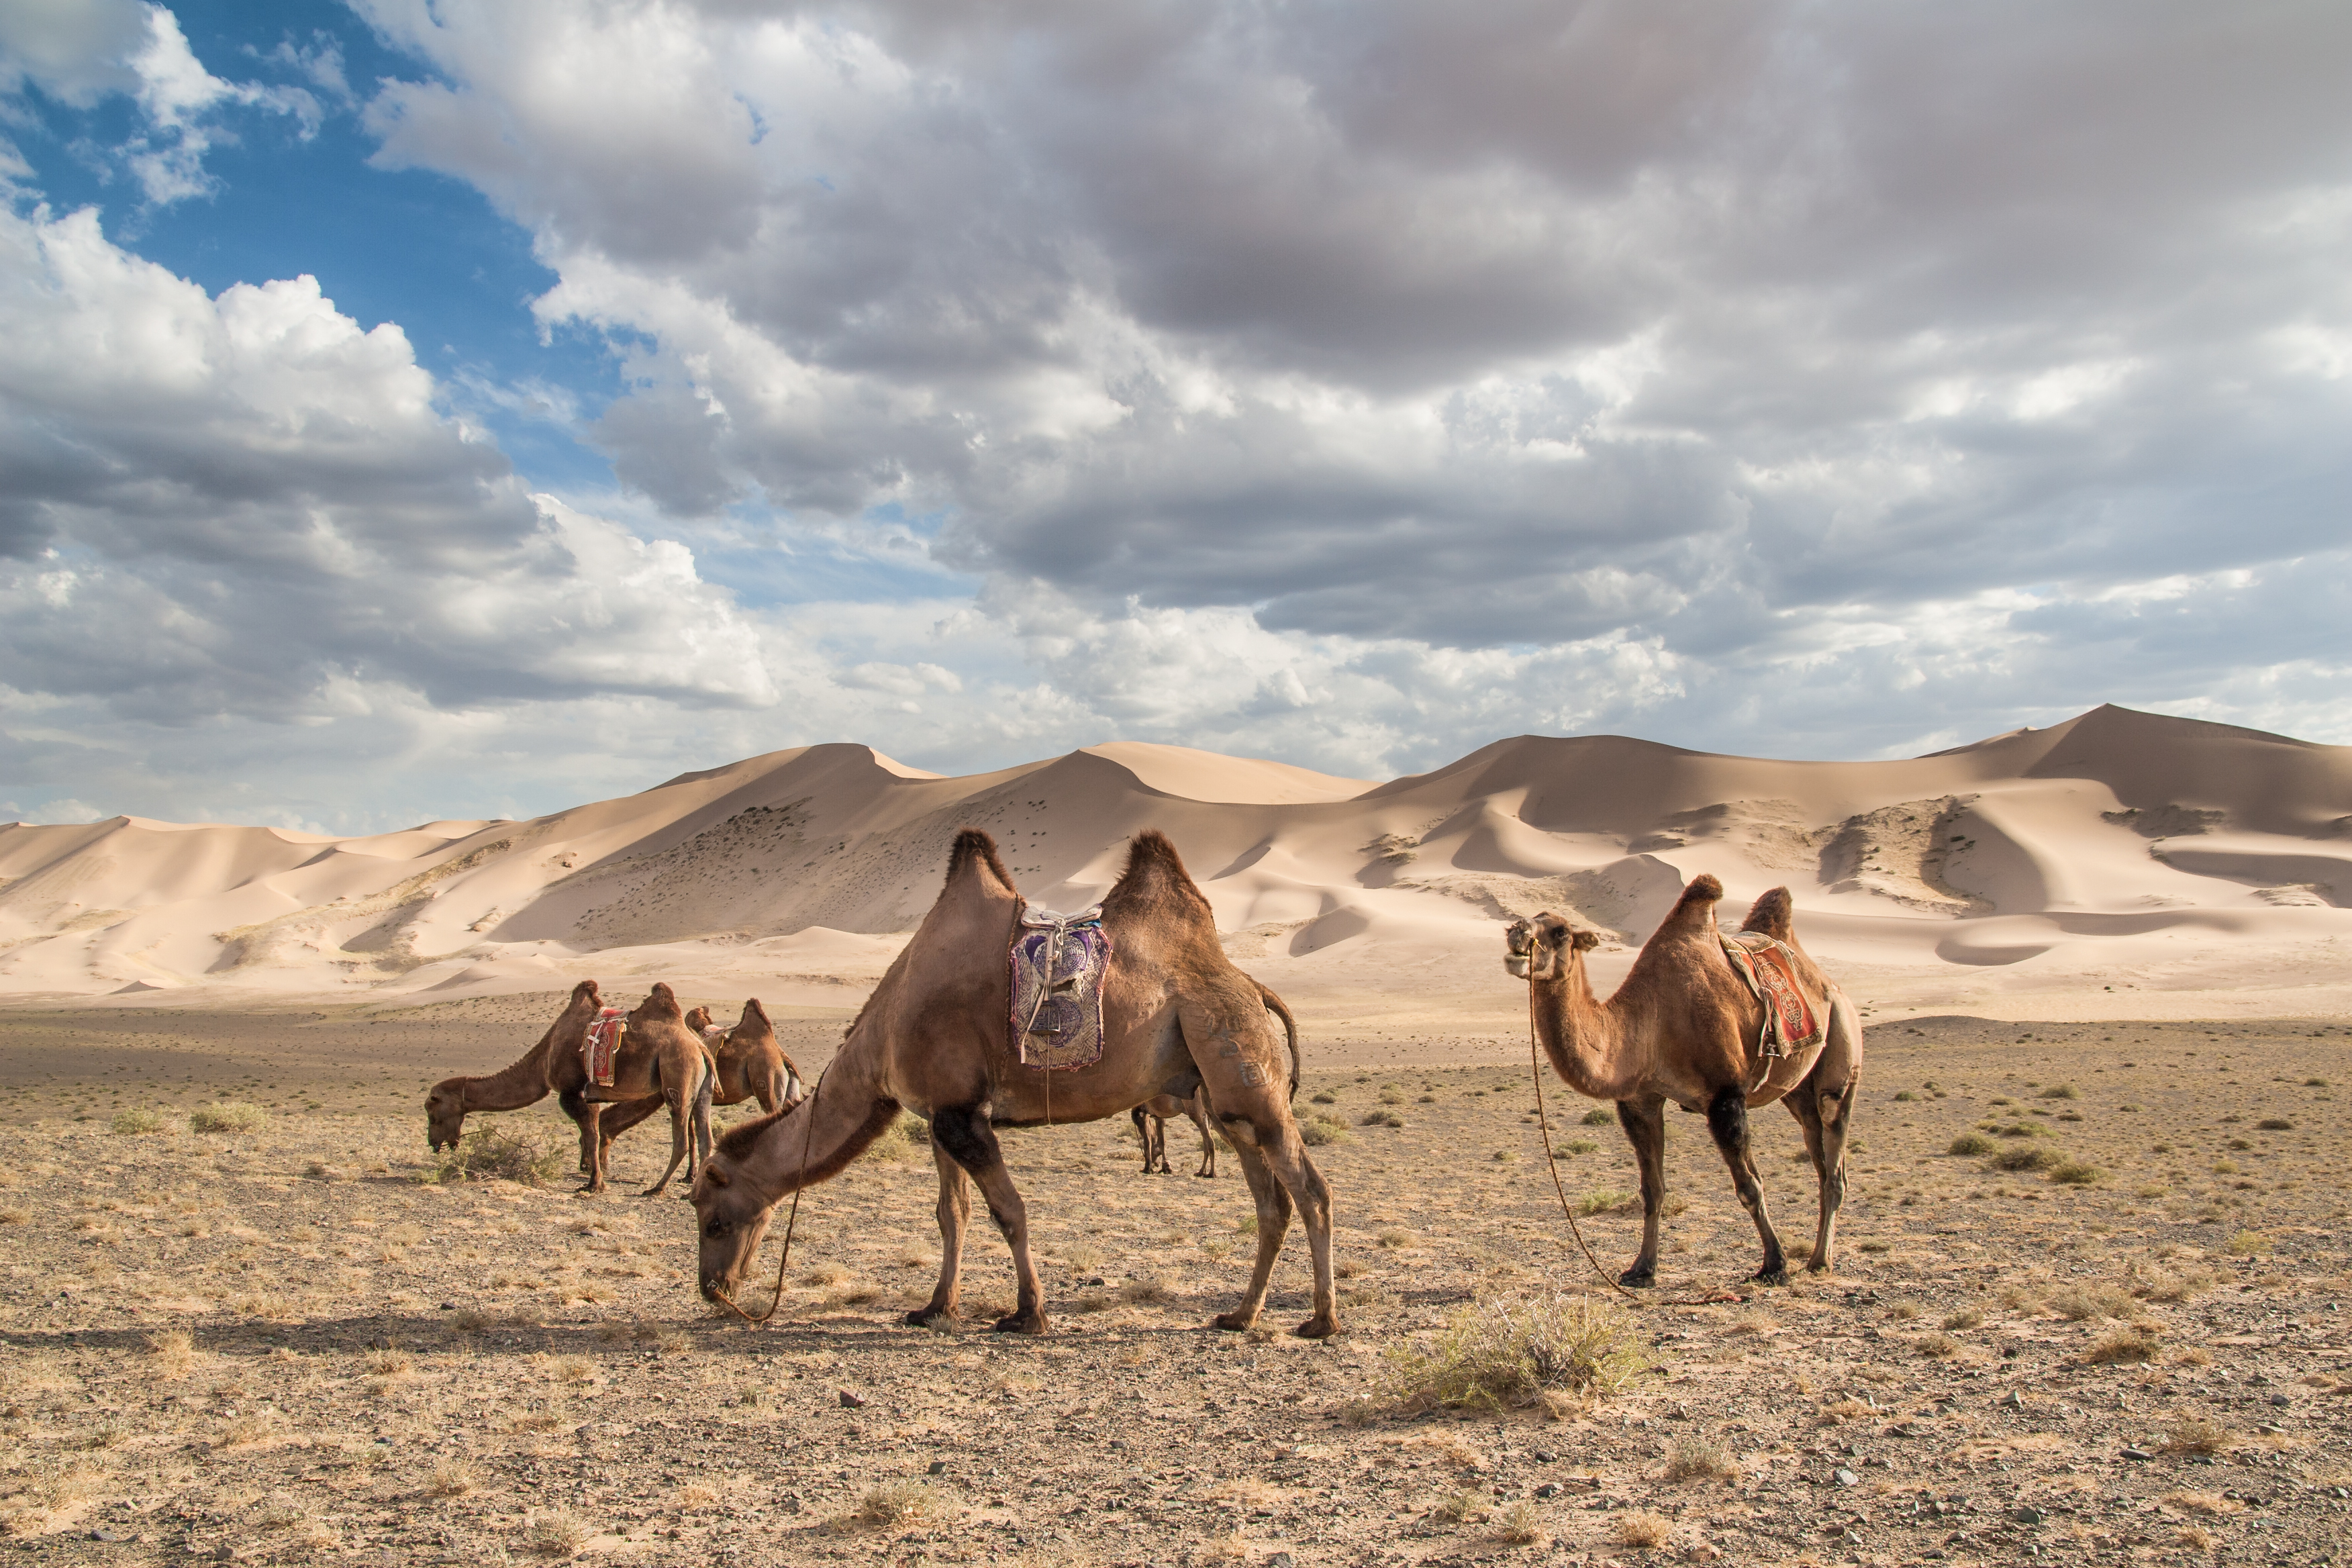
point(971, 844)
point(1276, 1005)
point(1775, 915)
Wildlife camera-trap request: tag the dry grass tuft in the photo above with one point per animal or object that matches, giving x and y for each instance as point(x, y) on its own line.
point(2196, 1435)
point(508, 1151)
point(1698, 1457)
point(555, 1532)
point(1510, 1353)
point(2124, 1345)
point(449, 1478)
point(2076, 1174)
point(1966, 1318)
point(1137, 1292)
point(2024, 1157)
point(1521, 1525)
point(1972, 1143)
point(175, 1351)
point(227, 1116)
point(896, 1502)
point(1644, 1529)
point(138, 1120)
point(2212, 1505)
point(2081, 1304)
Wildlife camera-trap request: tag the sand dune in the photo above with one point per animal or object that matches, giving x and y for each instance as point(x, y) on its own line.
point(2134, 863)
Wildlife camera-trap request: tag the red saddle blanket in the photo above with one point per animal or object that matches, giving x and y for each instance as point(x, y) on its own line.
point(603, 1045)
point(1791, 1022)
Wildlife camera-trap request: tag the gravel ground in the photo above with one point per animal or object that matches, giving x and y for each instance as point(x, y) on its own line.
point(291, 1343)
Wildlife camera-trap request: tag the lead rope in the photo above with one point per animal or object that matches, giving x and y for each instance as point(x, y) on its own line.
point(791, 1216)
point(1551, 1161)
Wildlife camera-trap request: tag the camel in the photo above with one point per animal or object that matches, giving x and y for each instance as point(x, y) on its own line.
point(678, 1067)
point(934, 1038)
point(1151, 1118)
point(555, 1066)
point(1684, 1026)
point(752, 1065)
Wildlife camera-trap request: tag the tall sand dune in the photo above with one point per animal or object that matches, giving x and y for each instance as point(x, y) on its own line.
point(2119, 863)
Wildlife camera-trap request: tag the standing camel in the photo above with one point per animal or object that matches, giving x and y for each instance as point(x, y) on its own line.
point(557, 1066)
point(1151, 1118)
point(679, 1068)
point(751, 1061)
point(1684, 1026)
point(934, 1038)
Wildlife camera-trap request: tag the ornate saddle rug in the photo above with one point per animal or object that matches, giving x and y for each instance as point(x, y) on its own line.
point(604, 1044)
point(1790, 1024)
point(1058, 964)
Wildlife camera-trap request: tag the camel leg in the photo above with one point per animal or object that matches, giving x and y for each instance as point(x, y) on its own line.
point(1142, 1119)
point(702, 1136)
point(1272, 1225)
point(955, 1214)
point(1286, 1156)
point(588, 1119)
point(1827, 1117)
point(966, 1135)
point(616, 1118)
point(1727, 1118)
point(679, 1110)
point(1208, 1139)
point(1645, 1127)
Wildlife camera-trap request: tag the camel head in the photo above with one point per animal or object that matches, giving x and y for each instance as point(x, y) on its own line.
point(698, 1020)
point(1538, 949)
point(445, 1114)
point(731, 1218)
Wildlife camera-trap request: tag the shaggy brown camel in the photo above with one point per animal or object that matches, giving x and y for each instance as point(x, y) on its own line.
point(934, 1039)
point(1151, 1118)
point(1684, 1026)
point(1162, 1108)
point(556, 1065)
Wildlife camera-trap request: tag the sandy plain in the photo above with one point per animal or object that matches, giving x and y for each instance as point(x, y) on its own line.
point(290, 1344)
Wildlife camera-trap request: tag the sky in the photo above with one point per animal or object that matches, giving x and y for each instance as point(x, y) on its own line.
point(459, 408)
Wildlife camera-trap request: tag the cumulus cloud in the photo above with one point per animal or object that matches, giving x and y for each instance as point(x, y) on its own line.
point(249, 505)
point(1527, 327)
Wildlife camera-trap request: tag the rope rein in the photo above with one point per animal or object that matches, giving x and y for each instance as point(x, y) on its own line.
point(791, 1216)
point(1543, 1120)
point(1551, 1161)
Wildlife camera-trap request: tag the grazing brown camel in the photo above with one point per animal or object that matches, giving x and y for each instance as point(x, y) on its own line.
point(751, 1061)
point(1684, 1026)
point(1162, 1108)
point(934, 1038)
point(556, 1065)
point(1151, 1118)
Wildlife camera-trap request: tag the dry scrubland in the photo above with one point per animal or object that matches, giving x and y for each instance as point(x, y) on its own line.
point(287, 1341)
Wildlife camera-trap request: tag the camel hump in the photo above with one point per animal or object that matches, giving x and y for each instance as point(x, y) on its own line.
point(661, 1000)
point(1775, 915)
point(584, 992)
point(1153, 867)
point(752, 1010)
point(1704, 890)
point(971, 844)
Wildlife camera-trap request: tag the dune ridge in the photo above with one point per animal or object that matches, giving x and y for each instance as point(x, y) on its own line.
point(2118, 854)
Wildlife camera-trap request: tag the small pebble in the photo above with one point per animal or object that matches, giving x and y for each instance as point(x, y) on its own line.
point(851, 1401)
point(1844, 1477)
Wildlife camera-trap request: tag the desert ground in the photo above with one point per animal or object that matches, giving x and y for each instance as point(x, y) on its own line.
point(305, 1339)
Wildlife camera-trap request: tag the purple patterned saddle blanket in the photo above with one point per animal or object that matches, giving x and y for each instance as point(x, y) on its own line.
point(1058, 964)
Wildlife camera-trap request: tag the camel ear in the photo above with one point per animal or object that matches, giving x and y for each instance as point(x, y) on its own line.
point(714, 1175)
point(1585, 941)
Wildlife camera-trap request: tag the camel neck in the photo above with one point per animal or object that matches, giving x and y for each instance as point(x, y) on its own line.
point(1584, 1036)
point(518, 1083)
point(813, 1140)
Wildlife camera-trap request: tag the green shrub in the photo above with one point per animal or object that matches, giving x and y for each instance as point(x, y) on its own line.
point(227, 1116)
point(1316, 1131)
point(1600, 1200)
point(1383, 1118)
point(2275, 1125)
point(1600, 1116)
point(2060, 1091)
point(1973, 1143)
point(138, 1118)
point(2074, 1173)
point(2026, 1157)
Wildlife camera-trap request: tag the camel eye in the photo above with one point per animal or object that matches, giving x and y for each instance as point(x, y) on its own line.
point(717, 1227)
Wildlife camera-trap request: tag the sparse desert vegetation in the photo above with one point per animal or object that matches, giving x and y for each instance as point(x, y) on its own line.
point(211, 1350)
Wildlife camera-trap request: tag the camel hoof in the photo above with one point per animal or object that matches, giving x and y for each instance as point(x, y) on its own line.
point(1321, 1326)
point(927, 1317)
point(1778, 1276)
point(1025, 1323)
point(1638, 1279)
point(1818, 1265)
point(1233, 1323)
